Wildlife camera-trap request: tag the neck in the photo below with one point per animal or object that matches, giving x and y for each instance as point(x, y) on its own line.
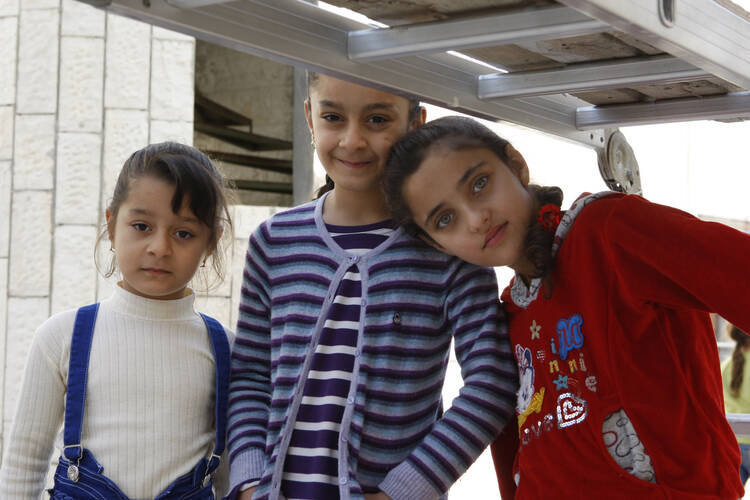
point(348, 208)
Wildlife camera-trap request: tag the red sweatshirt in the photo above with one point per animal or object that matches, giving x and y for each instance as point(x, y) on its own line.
point(625, 325)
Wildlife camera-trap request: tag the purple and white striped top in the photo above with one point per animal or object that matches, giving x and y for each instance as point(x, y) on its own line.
point(311, 466)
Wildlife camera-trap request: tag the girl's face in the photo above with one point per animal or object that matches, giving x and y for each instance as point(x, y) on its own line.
point(472, 205)
point(157, 250)
point(353, 129)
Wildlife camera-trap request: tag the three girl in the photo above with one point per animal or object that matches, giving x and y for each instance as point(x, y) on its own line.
point(140, 381)
point(345, 328)
point(621, 392)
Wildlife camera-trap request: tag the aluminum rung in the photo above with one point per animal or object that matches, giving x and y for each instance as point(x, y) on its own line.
point(499, 29)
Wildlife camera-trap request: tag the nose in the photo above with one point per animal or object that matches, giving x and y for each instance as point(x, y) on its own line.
point(352, 137)
point(479, 220)
point(160, 244)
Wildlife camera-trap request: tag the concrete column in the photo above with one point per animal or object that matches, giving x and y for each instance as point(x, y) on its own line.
point(303, 175)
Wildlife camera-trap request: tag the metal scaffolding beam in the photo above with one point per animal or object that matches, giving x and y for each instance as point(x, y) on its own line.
point(585, 77)
point(298, 33)
point(702, 32)
point(498, 29)
point(729, 106)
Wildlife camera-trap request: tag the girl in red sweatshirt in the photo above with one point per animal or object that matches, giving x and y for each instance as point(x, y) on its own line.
point(621, 393)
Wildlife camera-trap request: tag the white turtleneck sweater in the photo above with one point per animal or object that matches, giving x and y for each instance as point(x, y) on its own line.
point(149, 414)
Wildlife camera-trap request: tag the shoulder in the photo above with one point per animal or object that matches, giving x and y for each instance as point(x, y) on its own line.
point(292, 223)
point(53, 337)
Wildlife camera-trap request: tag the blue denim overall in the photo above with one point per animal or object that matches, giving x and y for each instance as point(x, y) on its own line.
point(79, 476)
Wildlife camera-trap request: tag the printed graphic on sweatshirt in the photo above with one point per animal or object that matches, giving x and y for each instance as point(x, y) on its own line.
point(556, 361)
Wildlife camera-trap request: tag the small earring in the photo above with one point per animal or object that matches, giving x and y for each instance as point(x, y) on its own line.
point(312, 142)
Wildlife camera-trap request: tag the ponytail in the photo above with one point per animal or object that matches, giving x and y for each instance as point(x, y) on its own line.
point(738, 359)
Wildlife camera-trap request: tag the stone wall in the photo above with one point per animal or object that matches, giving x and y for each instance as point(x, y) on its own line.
point(79, 91)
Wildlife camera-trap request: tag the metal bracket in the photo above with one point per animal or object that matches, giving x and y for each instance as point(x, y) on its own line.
point(618, 166)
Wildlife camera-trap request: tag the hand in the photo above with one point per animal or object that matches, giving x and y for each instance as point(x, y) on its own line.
point(377, 496)
point(247, 494)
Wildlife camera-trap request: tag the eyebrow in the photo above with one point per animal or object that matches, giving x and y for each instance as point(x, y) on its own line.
point(148, 213)
point(461, 181)
point(325, 103)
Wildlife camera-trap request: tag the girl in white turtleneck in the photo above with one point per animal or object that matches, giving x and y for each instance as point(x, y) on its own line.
point(142, 404)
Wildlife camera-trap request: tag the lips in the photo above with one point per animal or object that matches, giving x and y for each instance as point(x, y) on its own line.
point(155, 270)
point(356, 164)
point(495, 235)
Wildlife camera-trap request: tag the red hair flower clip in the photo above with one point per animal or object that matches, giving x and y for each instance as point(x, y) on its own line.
point(549, 217)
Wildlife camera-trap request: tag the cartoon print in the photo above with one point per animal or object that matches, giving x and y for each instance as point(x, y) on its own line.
point(570, 334)
point(526, 376)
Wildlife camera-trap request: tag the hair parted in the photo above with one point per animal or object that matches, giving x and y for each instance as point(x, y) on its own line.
point(414, 111)
point(194, 177)
point(738, 359)
point(455, 133)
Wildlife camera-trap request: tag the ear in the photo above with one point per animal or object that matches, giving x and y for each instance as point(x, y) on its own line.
point(110, 225)
point(308, 115)
point(420, 119)
point(518, 164)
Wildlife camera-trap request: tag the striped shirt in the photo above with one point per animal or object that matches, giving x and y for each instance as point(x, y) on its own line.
point(415, 301)
point(311, 467)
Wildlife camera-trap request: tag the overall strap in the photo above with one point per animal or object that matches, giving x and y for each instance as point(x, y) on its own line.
point(80, 348)
point(220, 346)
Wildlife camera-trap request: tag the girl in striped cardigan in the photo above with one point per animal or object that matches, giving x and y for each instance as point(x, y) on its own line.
point(345, 328)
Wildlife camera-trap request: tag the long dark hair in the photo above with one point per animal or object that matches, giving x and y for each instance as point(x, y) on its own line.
point(312, 80)
point(454, 133)
point(738, 359)
point(192, 174)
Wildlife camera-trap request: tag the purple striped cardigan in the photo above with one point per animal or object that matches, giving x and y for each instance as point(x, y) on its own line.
point(415, 300)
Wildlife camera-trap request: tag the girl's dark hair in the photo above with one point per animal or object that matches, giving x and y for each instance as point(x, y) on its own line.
point(455, 133)
point(738, 359)
point(194, 178)
point(414, 110)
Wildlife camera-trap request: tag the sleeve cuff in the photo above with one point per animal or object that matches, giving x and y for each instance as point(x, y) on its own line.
point(246, 468)
point(405, 483)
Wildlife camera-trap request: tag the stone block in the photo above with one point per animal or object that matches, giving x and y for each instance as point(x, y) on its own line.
point(164, 34)
point(73, 269)
point(246, 218)
point(128, 53)
point(3, 321)
point(81, 84)
point(78, 192)
point(25, 315)
point(172, 80)
point(5, 182)
point(39, 4)
point(80, 19)
point(7, 118)
point(125, 131)
point(31, 244)
point(9, 7)
point(179, 131)
point(216, 307)
point(34, 152)
point(237, 267)
point(37, 61)
point(8, 49)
